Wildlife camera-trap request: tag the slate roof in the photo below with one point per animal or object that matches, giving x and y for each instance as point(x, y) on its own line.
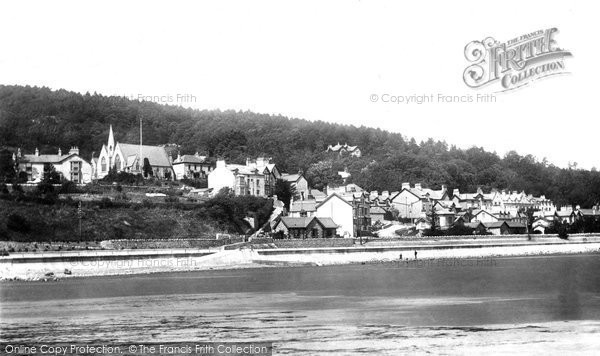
point(306, 205)
point(291, 177)
point(157, 156)
point(46, 158)
point(303, 222)
point(376, 210)
point(298, 223)
point(327, 223)
point(495, 224)
point(190, 159)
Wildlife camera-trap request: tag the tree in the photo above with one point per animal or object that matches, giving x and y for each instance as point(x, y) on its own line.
point(284, 191)
point(433, 218)
point(51, 176)
point(147, 168)
point(7, 166)
point(529, 214)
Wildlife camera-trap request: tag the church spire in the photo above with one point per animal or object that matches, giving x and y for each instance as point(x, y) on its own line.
point(111, 140)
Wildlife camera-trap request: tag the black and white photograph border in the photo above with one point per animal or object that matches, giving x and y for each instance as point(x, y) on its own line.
point(299, 178)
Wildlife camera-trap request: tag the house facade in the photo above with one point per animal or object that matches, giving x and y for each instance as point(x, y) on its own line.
point(341, 211)
point(241, 179)
point(345, 149)
point(306, 227)
point(413, 203)
point(192, 166)
point(70, 166)
point(299, 183)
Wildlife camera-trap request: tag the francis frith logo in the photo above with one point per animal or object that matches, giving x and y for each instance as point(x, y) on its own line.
point(514, 63)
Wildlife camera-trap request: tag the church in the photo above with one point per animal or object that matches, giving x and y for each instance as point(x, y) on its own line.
point(125, 157)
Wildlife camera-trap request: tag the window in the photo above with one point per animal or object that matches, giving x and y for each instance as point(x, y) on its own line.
point(315, 233)
point(103, 164)
point(76, 172)
point(118, 162)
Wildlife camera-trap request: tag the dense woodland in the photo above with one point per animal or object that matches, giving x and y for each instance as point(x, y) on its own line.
point(39, 117)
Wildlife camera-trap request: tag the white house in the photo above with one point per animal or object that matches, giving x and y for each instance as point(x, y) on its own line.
point(299, 183)
point(70, 166)
point(340, 210)
point(412, 203)
point(191, 166)
point(484, 216)
point(242, 179)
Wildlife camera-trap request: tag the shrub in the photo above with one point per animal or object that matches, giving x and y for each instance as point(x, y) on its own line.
point(68, 187)
point(18, 223)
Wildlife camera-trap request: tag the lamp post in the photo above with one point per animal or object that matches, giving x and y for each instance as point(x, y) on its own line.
point(79, 216)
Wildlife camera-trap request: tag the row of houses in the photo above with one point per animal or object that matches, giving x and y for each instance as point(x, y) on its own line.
point(352, 209)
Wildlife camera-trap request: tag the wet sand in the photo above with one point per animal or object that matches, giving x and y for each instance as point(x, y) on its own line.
point(547, 304)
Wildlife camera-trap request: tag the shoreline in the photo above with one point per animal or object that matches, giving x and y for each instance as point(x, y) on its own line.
point(143, 263)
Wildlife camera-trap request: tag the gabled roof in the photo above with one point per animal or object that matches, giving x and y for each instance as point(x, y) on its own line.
point(46, 158)
point(474, 225)
point(317, 193)
point(303, 205)
point(515, 224)
point(589, 212)
point(424, 193)
point(377, 210)
point(327, 223)
point(243, 169)
point(481, 211)
point(190, 159)
point(292, 178)
point(495, 224)
point(331, 196)
point(303, 222)
point(157, 156)
point(563, 214)
point(299, 222)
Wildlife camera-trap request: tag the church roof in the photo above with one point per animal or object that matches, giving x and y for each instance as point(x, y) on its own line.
point(156, 155)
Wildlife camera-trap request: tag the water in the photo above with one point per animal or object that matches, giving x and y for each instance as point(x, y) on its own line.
point(545, 304)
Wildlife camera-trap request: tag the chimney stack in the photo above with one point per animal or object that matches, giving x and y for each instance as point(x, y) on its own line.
point(221, 163)
point(418, 186)
point(405, 186)
point(455, 192)
point(444, 188)
point(59, 152)
point(37, 152)
point(74, 150)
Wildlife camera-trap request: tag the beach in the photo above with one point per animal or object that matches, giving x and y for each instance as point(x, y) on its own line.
point(58, 265)
point(549, 304)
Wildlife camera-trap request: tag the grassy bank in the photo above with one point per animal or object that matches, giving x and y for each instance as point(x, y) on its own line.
point(32, 222)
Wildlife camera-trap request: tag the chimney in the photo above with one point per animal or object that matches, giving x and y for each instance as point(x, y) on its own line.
point(455, 192)
point(247, 161)
point(74, 150)
point(59, 152)
point(221, 163)
point(418, 186)
point(405, 186)
point(37, 152)
point(444, 188)
point(197, 154)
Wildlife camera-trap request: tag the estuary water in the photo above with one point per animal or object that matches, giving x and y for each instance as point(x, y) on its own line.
point(545, 304)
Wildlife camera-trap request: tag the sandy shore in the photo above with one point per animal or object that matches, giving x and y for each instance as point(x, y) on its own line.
point(67, 265)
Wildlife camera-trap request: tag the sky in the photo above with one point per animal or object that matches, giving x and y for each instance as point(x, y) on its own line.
point(335, 61)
